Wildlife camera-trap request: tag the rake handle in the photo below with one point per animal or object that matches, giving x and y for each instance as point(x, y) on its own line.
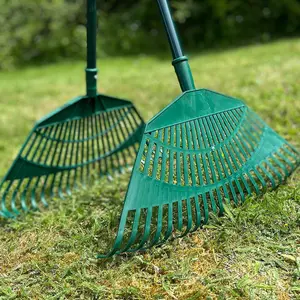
point(180, 61)
point(91, 30)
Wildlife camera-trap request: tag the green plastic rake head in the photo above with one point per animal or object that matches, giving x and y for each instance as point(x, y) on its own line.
point(205, 148)
point(89, 136)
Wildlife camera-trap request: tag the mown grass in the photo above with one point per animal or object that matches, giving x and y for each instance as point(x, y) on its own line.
point(253, 252)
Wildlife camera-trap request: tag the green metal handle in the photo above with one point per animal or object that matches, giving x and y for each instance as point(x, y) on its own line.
point(91, 70)
point(180, 62)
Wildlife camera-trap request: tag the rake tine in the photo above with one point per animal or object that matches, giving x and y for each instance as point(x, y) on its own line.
point(119, 238)
point(45, 133)
point(257, 122)
point(122, 139)
point(189, 218)
point(60, 154)
point(77, 155)
point(240, 190)
point(257, 191)
point(274, 170)
point(148, 157)
point(260, 178)
point(290, 153)
point(194, 135)
point(43, 197)
point(146, 232)
point(97, 136)
point(192, 168)
point(134, 231)
point(202, 147)
point(156, 157)
point(69, 130)
point(226, 155)
point(41, 156)
point(24, 206)
point(23, 196)
point(185, 167)
point(270, 176)
point(99, 125)
point(170, 222)
point(287, 161)
point(159, 227)
point(82, 152)
point(192, 139)
point(172, 153)
point(164, 159)
point(246, 130)
point(179, 212)
point(30, 148)
point(93, 142)
point(53, 158)
point(32, 197)
point(91, 159)
point(198, 164)
point(235, 150)
point(133, 128)
point(231, 154)
point(213, 141)
point(282, 166)
point(28, 152)
point(220, 160)
point(122, 224)
point(87, 150)
point(229, 119)
point(189, 215)
point(68, 187)
point(108, 120)
point(205, 206)
point(129, 134)
point(13, 200)
point(223, 126)
point(68, 162)
point(105, 146)
point(109, 151)
point(133, 113)
point(198, 214)
point(204, 133)
point(4, 209)
point(178, 175)
point(237, 138)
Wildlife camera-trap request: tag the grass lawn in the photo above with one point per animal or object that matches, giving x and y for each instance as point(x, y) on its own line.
point(253, 252)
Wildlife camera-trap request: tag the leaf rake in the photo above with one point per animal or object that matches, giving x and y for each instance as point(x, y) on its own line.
point(203, 149)
point(90, 136)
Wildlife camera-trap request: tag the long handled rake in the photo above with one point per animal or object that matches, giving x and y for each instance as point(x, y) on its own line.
point(93, 134)
point(203, 148)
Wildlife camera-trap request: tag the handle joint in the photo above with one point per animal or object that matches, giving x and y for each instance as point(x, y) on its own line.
point(184, 73)
point(91, 82)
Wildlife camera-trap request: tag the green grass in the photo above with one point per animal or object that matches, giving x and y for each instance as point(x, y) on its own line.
point(253, 252)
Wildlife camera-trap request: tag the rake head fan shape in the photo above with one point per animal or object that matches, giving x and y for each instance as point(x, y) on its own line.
point(203, 149)
point(89, 136)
